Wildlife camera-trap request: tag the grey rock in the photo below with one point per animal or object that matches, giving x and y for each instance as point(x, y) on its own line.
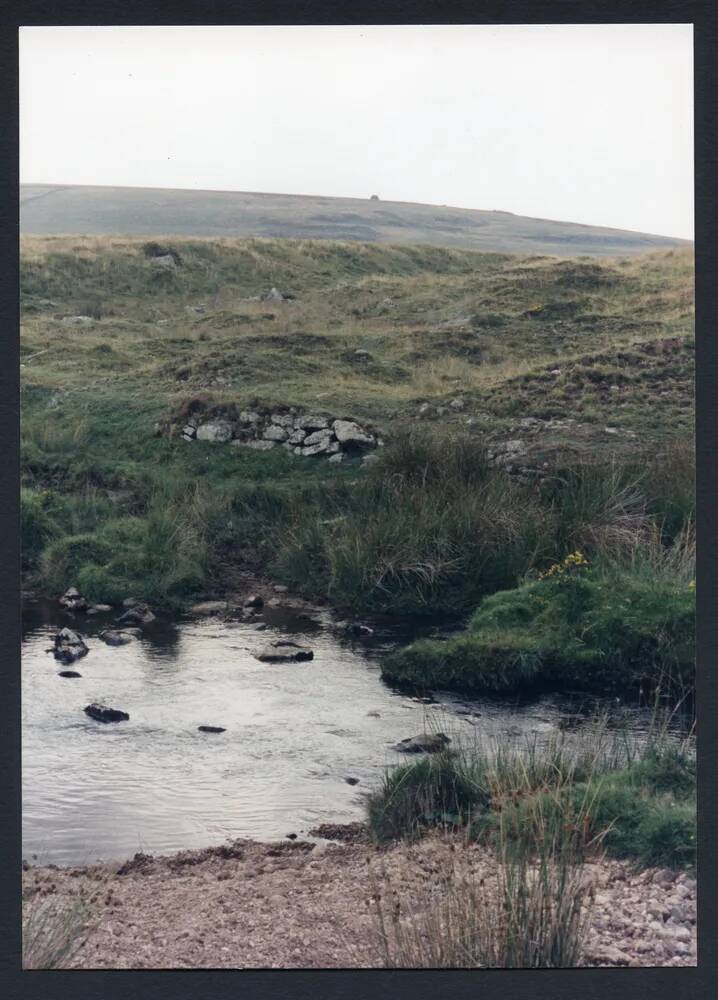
point(115, 638)
point(254, 601)
point(76, 320)
point(164, 263)
point(309, 422)
point(73, 600)
point(189, 431)
point(284, 651)
point(249, 417)
point(297, 437)
point(349, 432)
point(282, 419)
point(69, 646)
point(424, 743)
point(325, 447)
point(457, 404)
point(215, 430)
point(275, 433)
point(138, 614)
point(273, 295)
point(209, 607)
point(104, 714)
point(318, 437)
point(259, 445)
point(336, 458)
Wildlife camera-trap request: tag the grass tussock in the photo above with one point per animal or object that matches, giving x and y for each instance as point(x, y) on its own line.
point(52, 931)
point(603, 795)
point(529, 913)
point(543, 811)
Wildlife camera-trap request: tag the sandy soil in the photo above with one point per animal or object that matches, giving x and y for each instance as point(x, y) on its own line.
point(308, 905)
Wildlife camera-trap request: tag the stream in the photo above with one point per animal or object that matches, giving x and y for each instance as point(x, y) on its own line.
point(294, 732)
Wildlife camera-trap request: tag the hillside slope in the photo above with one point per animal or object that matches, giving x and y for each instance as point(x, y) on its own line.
point(57, 209)
point(542, 361)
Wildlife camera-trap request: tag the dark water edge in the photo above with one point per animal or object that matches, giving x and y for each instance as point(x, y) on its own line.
point(293, 732)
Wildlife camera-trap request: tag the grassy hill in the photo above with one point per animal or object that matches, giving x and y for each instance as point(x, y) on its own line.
point(59, 209)
point(448, 353)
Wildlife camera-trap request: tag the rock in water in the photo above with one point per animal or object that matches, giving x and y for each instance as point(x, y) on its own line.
point(354, 628)
point(425, 743)
point(138, 614)
point(104, 714)
point(284, 651)
point(211, 729)
point(73, 600)
point(69, 646)
point(113, 638)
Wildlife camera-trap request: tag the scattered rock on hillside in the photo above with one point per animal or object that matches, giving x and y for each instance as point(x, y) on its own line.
point(215, 430)
point(284, 651)
point(310, 422)
point(73, 600)
point(164, 263)
point(425, 743)
point(282, 419)
point(104, 714)
point(69, 646)
point(275, 433)
point(307, 435)
point(77, 320)
point(349, 432)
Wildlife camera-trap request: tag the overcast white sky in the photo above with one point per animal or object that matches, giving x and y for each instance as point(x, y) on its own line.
point(582, 123)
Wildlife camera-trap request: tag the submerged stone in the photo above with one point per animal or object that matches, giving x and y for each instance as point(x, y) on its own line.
point(284, 651)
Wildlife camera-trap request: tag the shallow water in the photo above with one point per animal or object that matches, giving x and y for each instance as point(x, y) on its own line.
point(294, 733)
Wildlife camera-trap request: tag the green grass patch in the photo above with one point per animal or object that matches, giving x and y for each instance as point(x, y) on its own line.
point(578, 630)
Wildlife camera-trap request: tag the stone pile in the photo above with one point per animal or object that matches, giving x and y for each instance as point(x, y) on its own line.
point(301, 434)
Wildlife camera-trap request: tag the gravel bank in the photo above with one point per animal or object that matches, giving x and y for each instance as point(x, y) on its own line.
point(304, 905)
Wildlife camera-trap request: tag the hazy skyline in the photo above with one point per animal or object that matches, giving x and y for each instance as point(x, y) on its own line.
point(583, 123)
